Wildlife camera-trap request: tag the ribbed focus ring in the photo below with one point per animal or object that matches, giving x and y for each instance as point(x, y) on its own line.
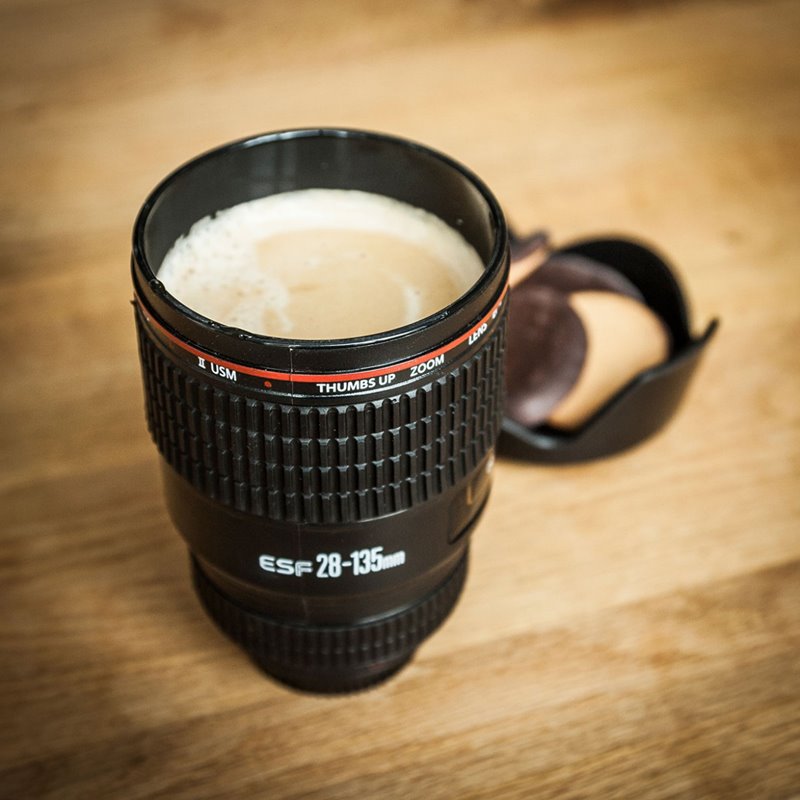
point(331, 659)
point(324, 464)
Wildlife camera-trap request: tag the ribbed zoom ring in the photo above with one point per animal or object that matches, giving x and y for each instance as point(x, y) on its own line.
point(331, 659)
point(324, 464)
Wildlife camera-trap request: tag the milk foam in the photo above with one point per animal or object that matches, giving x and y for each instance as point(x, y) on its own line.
point(320, 263)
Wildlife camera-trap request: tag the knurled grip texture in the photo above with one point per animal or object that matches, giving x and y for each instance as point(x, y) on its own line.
point(324, 463)
point(341, 658)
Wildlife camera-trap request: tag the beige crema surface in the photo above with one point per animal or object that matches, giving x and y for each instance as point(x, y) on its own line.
point(320, 264)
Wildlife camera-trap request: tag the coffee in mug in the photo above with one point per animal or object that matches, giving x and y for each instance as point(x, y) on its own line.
point(320, 264)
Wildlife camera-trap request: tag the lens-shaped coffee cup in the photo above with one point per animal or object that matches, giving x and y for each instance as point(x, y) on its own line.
point(326, 489)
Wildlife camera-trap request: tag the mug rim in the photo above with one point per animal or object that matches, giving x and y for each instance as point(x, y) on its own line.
point(492, 265)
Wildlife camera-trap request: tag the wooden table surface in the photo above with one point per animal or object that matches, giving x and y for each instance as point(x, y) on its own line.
point(630, 628)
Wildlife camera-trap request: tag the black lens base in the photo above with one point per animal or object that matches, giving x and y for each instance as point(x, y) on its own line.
point(330, 659)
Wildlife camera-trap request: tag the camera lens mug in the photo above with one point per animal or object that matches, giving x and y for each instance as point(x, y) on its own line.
point(326, 489)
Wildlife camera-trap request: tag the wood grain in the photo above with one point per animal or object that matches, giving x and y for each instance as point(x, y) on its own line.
point(630, 628)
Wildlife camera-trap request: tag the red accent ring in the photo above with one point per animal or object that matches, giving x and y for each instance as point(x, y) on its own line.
point(301, 377)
